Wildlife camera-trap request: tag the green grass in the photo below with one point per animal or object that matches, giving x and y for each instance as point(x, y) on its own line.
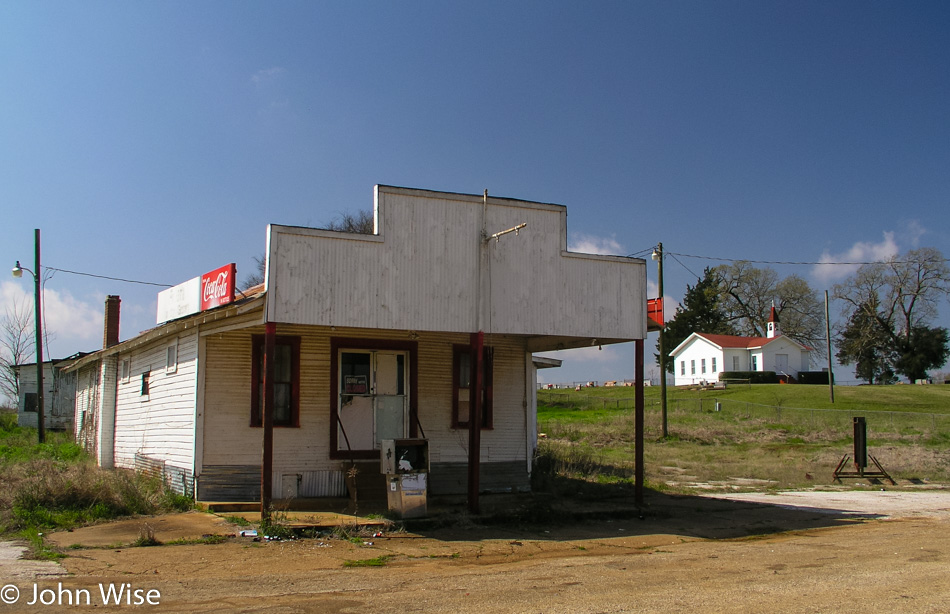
point(904, 398)
point(765, 436)
point(237, 520)
point(207, 539)
point(379, 561)
point(56, 485)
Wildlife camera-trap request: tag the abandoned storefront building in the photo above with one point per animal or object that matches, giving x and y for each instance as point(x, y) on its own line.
point(373, 338)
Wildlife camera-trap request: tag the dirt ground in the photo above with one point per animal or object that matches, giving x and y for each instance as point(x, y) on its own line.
point(869, 551)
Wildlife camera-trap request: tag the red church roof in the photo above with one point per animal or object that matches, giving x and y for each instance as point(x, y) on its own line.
point(733, 341)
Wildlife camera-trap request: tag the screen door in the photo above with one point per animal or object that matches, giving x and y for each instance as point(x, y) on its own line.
point(373, 403)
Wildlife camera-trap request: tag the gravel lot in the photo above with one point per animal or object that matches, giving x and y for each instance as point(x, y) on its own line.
point(841, 551)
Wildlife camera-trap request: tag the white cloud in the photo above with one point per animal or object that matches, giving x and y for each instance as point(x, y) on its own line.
point(267, 74)
point(831, 270)
point(912, 232)
point(590, 244)
point(670, 304)
point(73, 324)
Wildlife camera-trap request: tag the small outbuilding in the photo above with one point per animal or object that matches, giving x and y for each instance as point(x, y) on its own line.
point(59, 394)
point(407, 332)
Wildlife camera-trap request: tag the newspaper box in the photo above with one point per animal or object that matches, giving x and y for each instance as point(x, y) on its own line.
point(406, 465)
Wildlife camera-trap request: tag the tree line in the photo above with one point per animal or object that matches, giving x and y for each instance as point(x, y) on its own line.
point(888, 310)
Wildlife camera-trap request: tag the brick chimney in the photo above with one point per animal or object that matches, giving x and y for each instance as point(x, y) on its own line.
point(110, 334)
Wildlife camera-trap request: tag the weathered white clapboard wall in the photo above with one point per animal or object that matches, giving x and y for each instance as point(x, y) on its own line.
point(428, 263)
point(86, 422)
point(228, 440)
point(59, 397)
point(158, 427)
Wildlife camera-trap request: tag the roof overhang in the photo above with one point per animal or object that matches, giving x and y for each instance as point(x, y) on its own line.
point(552, 343)
point(174, 327)
point(544, 362)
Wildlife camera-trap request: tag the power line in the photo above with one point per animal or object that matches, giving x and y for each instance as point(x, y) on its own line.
point(128, 281)
point(672, 255)
point(789, 262)
point(642, 252)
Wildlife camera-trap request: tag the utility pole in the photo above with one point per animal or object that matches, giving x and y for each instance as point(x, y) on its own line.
point(40, 397)
point(658, 256)
point(38, 317)
point(831, 373)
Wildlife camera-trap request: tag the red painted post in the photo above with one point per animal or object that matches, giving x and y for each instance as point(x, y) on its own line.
point(267, 419)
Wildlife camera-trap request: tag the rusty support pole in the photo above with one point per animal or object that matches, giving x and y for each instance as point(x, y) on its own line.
point(475, 422)
point(638, 424)
point(267, 419)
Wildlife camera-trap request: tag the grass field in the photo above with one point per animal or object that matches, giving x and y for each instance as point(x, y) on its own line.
point(56, 485)
point(745, 437)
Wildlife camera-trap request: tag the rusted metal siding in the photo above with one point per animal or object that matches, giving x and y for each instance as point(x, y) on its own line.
point(428, 264)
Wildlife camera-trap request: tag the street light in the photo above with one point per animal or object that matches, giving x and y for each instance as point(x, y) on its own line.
point(658, 257)
point(18, 273)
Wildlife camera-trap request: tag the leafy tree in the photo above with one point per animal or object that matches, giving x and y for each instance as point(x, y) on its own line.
point(701, 311)
point(924, 349)
point(906, 291)
point(749, 293)
point(865, 344)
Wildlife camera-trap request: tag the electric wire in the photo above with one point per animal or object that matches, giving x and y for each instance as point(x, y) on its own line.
point(642, 252)
point(128, 281)
point(673, 256)
point(787, 262)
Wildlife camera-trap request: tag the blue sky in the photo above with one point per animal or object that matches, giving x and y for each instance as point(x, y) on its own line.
point(155, 141)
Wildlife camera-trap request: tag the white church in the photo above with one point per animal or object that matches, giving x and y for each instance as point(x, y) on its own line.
point(702, 357)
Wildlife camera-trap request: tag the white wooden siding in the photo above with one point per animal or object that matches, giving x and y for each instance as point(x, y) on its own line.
point(161, 425)
point(59, 397)
point(425, 268)
point(229, 440)
point(699, 349)
point(87, 407)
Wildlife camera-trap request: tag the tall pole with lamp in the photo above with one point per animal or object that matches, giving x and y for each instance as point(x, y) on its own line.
point(658, 256)
point(37, 277)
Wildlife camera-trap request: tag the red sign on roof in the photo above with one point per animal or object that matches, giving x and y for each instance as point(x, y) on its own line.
point(655, 313)
point(217, 287)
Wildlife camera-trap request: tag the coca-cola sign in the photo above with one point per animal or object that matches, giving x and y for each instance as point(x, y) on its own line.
point(217, 287)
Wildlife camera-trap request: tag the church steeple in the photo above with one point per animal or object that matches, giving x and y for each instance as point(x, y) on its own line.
point(773, 328)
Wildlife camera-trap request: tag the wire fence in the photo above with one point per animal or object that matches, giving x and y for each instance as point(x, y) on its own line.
point(830, 423)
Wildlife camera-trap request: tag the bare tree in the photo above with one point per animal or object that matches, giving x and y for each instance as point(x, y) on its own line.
point(16, 345)
point(902, 296)
point(257, 277)
point(907, 289)
point(361, 222)
point(748, 294)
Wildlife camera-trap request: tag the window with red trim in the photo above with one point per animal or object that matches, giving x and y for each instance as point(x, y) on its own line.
point(286, 381)
point(463, 381)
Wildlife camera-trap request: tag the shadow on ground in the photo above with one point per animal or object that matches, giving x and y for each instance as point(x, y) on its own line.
point(574, 509)
point(567, 510)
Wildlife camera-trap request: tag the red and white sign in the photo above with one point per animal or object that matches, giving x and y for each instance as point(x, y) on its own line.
point(217, 287)
point(198, 294)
